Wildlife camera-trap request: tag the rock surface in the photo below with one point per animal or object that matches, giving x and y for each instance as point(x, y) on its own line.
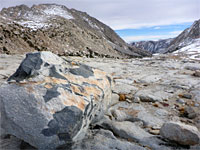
point(180, 133)
point(49, 102)
point(166, 73)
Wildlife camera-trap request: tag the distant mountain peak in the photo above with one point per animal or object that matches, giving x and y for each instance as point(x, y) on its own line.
point(187, 37)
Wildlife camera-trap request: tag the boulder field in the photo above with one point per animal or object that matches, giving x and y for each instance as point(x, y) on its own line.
point(81, 103)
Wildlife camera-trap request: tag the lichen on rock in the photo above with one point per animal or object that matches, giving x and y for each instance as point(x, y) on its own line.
point(48, 102)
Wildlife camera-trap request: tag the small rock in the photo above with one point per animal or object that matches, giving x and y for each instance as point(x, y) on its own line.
point(155, 104)
point(122, 97)
point(197, 73)
point(136, 100)
point(189, 113)
point(154, 132)
point(153, 94)
point(16, 32)
point(180, 101)
point(187, 96)
point(115, 99)
point(180, 133)
point(161, 113)
point(124, 88)
point(196, 105)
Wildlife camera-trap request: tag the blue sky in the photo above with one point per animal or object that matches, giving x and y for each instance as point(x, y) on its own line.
point(133, 20)
point(152, 33)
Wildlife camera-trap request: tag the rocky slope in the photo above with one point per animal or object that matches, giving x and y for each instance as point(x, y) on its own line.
point(153, 46)
point(61, 30)
point(187, 37)
point(152, 100)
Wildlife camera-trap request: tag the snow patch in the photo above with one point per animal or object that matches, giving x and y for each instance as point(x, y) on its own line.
point(192, 51)
point(93, 25)
point(58, 11)
point(40, 20)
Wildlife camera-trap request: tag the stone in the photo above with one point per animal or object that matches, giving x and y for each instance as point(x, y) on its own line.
point(121, 88)
point(161, 113)
point(180, 101)
point(154, 132)
point(105, 140)
point(189, 112)
point(180, 133)
point(122, 97)
point(192, 68)
point(196, 93)
point(125, 111)
point(153, 94)
point(187, 96)
point(135, 133)
point(48, 102)
point(197, 73)
point(128, 130)
point(115, 99)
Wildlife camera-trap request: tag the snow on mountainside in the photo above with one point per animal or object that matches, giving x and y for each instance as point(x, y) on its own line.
point(61, 30)
point(185, 39)
point(191, 51)
point(37, 17)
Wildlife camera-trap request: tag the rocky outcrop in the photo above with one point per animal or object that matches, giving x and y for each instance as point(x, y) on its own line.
point(187, 37)
point(153, 46)
point(63, 31)
point(49, 102)
point(180, 133)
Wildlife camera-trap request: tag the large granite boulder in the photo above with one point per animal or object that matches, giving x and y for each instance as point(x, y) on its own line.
point(180, 133)
point(50, 102)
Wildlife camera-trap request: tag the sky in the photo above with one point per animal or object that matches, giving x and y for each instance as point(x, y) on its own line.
point(133, 20)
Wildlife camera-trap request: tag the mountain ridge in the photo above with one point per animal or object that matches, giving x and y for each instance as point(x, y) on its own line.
point(185, 38)
point(61, 30)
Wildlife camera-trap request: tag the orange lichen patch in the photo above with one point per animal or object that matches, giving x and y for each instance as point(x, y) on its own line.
point(48, 86)
point(122, 97)
point(55, 80)
point(74, 79)
point(92, 90)
point(79, 80)
point(98, 73)
point(73, 100)
point(76, 89)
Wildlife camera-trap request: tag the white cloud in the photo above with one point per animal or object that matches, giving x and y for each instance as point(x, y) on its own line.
point(176, 32)
point(156, 28)
point(129, 39)
point(123, 14)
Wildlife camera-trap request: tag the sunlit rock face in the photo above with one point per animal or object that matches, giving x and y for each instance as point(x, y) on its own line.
point(49, 102)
